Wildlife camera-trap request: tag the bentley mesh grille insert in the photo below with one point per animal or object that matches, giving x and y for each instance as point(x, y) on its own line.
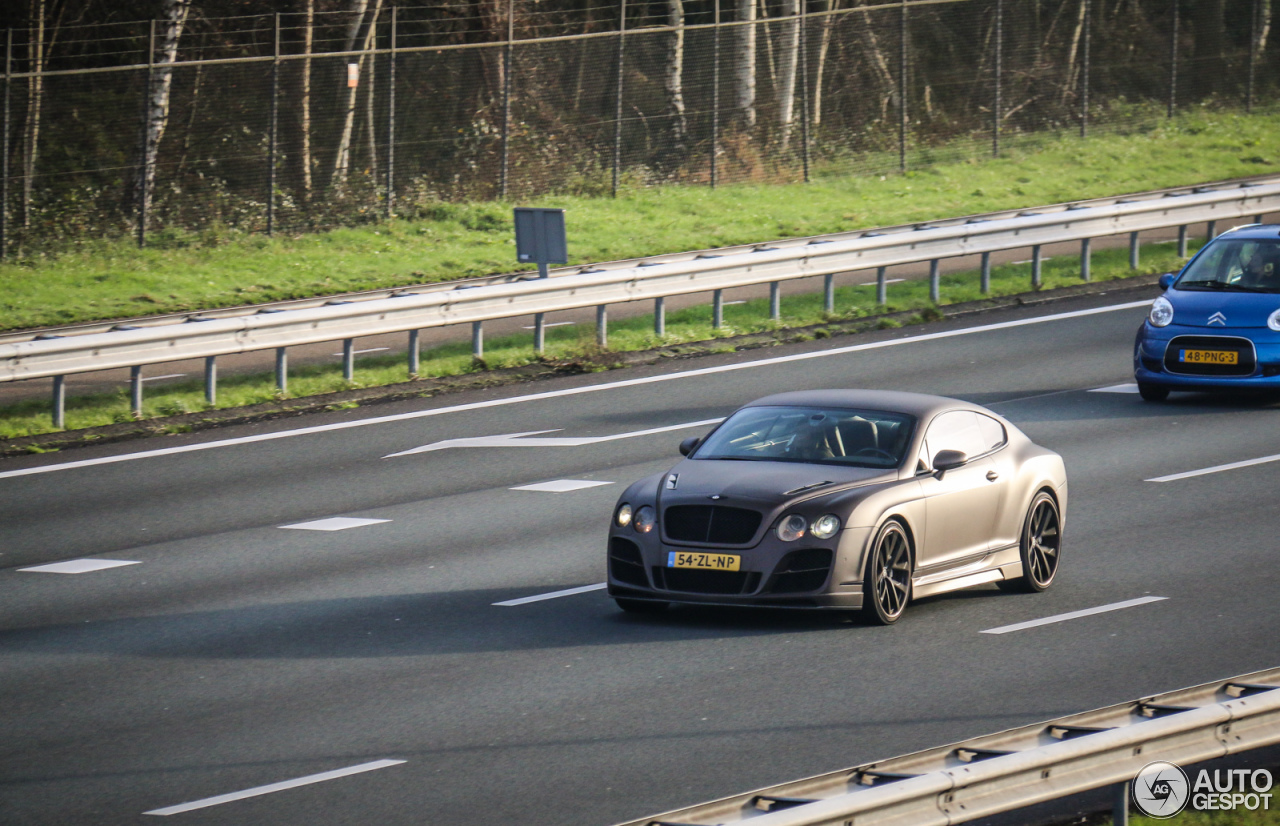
point(712, 524)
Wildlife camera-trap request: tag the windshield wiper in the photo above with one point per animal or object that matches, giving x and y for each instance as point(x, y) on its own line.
point(1211, 284)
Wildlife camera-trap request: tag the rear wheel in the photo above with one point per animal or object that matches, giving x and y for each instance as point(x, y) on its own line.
point(1041, 546)
point(1152, 393)
point(886, 584)
point(640, 606)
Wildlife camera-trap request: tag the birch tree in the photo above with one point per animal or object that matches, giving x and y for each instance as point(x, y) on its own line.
point(308, 37)
point(824, 47)
point(342, 158)
point(675, 76)
point(745, 70)
point(788, 61)
point(175, 18)
point(37, 56)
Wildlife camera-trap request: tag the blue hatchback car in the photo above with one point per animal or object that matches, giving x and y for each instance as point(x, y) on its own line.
point(1217, 326)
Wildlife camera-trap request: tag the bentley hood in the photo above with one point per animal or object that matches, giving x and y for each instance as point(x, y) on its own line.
point(763, 484)
point(1215, 310)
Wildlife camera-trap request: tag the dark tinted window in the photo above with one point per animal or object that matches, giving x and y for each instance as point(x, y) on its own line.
point(861, 438)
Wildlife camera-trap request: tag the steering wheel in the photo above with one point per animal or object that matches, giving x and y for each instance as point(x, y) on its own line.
point(877, 452)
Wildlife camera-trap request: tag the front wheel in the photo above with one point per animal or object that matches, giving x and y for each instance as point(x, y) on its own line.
point(641, 606)
point(1040, 548)
point(1152, 393)
point(886, 584)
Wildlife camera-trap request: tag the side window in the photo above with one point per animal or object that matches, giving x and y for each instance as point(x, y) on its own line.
point(957, 430)
point(992, 432)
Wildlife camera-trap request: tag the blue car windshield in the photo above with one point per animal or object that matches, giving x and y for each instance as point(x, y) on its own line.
point(1235, 265)
point(829, 436)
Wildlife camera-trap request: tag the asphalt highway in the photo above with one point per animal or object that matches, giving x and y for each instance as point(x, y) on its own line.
point(244, 650)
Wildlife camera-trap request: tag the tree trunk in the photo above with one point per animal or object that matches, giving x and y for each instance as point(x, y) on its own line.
point(1207, 19)
point(675, 77)
point(824, 46)
point(36, 57)
point(175, 12)
point(879, 64)
point(342, 158)
point(308, 35)
point(788, 63)
point(371, 131)
point(745, 71)
point(1073, 70)
point(1264, 26)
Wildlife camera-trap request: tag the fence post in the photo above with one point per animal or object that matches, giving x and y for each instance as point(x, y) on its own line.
point(391, 123)
point(902, 89)
point(617, 109)
point(506, 97)
point(715, 95)
point(1084, 73)
point(998, 71)
point(1173, 58)
point(271, 142)
point(4, 149)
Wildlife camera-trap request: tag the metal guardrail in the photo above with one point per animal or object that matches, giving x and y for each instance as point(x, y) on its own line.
point(407, 311)
point(1019, 767)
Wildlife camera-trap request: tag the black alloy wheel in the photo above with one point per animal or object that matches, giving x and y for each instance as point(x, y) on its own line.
point(1040, 548)
point(886, 585)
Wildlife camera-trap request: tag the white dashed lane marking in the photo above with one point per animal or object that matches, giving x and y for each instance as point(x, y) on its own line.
point(562, 485)
point(1086, 612)
point(370, 350)
point(274, 787)
point(568, 592)
point(1216, 469)
point(79, 566)
point(333, 523)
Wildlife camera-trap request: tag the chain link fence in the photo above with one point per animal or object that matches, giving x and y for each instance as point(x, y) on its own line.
point(277, 123)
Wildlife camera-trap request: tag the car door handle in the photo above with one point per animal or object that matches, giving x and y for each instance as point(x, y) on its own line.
point(992, 476)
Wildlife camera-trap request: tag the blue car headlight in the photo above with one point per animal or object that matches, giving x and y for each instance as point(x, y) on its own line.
point(1161, 313)
point(1274, 321)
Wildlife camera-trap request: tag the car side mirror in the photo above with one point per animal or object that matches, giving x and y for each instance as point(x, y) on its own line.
point(687, 446)
point(949, 459)
point(1166, 280)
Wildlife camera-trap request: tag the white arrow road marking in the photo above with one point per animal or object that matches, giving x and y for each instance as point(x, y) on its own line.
point(568, 592)
point(333, 523)
point(79, 566)
point(274, 787)
point(1087, 612)
point(521, 440)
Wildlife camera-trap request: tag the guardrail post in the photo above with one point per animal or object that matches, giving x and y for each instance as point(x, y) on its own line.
point(1133, 250)
point(659, 317)
point(717, 309)
point(348, 358)
point(415, 352)
point(775, 300)
point(829, 294)
point(539, 333)
point(282, 370)
point(1036, 261)
point(935, 282)
point(602, 325)
point(986, 273)
point(1182, 241)
point(477, 339)
point(1085, 255)
point(1258, 219)
point(1120, 805)
point(135, 391)
point(211, 379)
point(882, 288)
point(1210, 231)
point(60, 402)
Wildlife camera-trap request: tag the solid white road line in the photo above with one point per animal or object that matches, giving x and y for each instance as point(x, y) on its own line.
point(573, 391)
point(333, 523)
point(563, 485)
point(565, 593)
point(79, 566)
point(274, 787)
point(1087, 612)
point(1216, 469)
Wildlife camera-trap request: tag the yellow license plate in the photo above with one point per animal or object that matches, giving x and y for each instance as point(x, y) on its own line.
point(703, 561)
point(1210, 357)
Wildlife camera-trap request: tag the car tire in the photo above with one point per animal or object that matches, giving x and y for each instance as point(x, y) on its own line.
point(641, 606)
point(1040, 548)
point(886, 583)
point(1152, 392)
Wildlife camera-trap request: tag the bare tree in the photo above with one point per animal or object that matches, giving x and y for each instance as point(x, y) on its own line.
point(745, 71)
point(675, 76)
point(788, 61)
point(342, 158)
point(175, 18)
point(308, 35)
point(824, 46)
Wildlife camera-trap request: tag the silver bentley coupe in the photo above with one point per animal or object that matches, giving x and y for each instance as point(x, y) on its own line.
point(857, 500)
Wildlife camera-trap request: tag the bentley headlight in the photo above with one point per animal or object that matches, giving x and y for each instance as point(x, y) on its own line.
point(792, 527)
point(623, 517)
point(1273, 321)
point(645, 519)
point(826, 526)
point(1161, 312)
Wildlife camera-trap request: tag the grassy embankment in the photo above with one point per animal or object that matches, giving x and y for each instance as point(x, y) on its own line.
point(183, 271)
